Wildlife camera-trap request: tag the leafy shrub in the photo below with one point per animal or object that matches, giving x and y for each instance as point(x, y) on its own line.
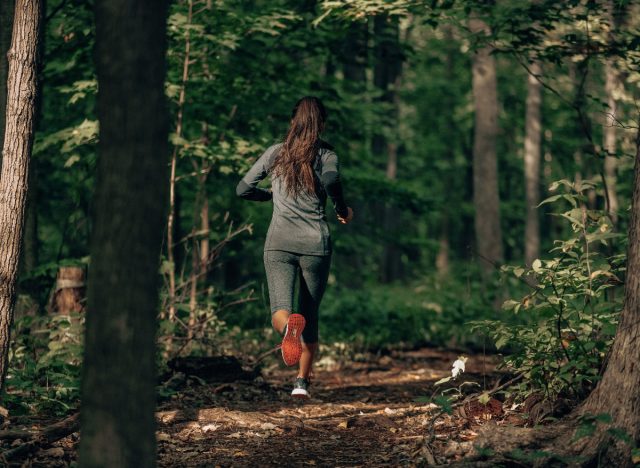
point(44, 364)
point(572, 311)
point(431, 311)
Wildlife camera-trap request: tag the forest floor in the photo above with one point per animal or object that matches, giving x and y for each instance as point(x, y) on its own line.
point(371, 411)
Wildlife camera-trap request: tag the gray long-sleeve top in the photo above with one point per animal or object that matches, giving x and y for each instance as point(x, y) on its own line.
point(298, 224)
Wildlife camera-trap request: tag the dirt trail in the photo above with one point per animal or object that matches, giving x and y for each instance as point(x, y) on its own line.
point(362, 414)
point(370, 412)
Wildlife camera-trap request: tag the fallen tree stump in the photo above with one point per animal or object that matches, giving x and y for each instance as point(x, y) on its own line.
point(41, 439)
point(214, 369)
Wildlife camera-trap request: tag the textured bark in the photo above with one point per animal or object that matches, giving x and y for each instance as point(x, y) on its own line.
point(612, 84)
point(6, 26)
point(485, 167)
point(532, 153)
point(610, 160)
point(22, 87)
point(119, 372)
point(618, 393)
point(30, 238)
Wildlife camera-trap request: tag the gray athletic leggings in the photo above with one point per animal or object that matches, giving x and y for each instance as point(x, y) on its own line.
point(313, 270)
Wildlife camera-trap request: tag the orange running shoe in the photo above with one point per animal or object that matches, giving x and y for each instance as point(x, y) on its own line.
point(291, 346)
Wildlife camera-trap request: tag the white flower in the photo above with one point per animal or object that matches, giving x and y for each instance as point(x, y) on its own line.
point(458, 366)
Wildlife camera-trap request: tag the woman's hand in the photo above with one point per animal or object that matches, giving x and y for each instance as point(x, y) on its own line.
point(349, 217)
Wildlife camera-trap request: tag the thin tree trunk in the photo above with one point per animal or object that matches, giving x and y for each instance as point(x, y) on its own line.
point(119, 371)
point(612, 84)
point(172, 180)
point(610, 160)
point(618, 393)
point(532, 154)
point(204, 241)
point(485, 167)
point(442, 257)
point(444, 247)
point(6, 26)
point(22, 89)
point(193, 286)
point(354, 57)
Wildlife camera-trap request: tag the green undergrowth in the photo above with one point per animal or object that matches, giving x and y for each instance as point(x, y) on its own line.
point(430, 311)
point(45, 365)
point(570, 314)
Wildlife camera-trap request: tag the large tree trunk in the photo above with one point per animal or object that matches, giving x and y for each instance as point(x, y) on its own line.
point(119, 373)
point(485, 167)
point(6, 26)
point(618, 393)
point(532, 153)
point(22, 90)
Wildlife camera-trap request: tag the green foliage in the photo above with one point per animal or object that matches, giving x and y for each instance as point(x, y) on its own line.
point(44, 364)
point(571, 314)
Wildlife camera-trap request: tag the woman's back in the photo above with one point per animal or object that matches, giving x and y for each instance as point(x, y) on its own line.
point(299, 219)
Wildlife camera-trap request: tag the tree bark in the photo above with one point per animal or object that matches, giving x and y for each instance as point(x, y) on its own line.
point(612, 84)
point(618, 393)
point(6, 26)
point(22, 88)
point(486, 198)
point(30, 237)
point(532, 153)
point(610, 160)
point(119, 372)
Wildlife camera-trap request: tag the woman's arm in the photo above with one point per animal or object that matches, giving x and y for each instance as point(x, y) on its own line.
point(247, 187)
point(330, 178)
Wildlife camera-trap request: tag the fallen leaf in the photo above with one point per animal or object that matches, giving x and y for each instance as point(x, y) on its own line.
point(210, 428)
point(343, 425)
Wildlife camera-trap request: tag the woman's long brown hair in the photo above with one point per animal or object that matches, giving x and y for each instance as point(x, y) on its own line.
point(294, 163)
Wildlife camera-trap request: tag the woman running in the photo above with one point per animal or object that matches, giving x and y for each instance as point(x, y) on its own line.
point(303, 171)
